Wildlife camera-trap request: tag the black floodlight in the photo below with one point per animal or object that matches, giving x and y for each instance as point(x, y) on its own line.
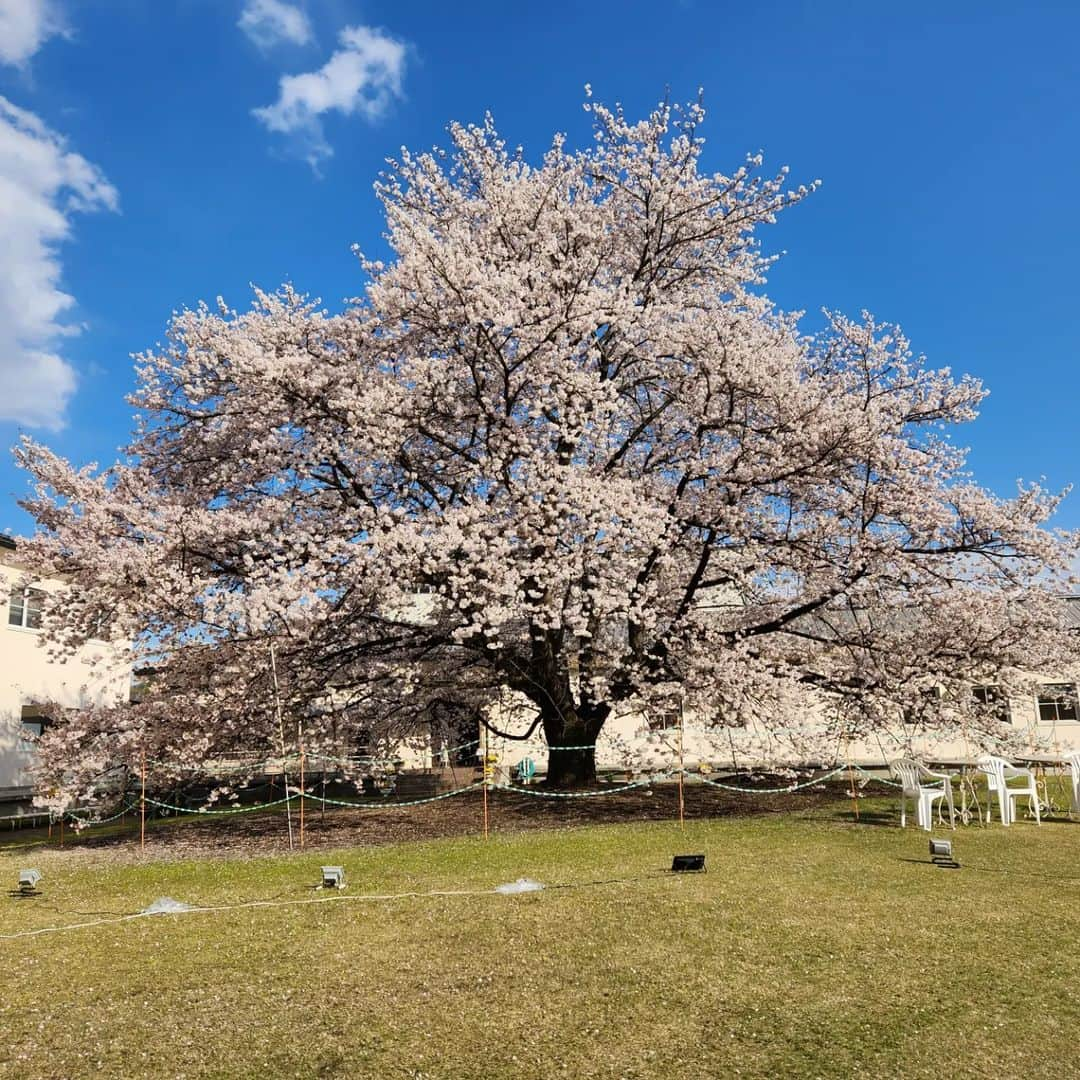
point(941, 854)
point(682, 864)
point(333, 877)
point(28, 880)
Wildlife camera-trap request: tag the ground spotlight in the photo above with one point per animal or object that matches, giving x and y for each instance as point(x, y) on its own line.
point(333, 877)
point(941, 853)
point(682, 864)
point(28, 880)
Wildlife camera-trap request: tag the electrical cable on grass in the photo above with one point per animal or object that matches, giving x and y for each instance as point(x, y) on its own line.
point(205, 909)
point(196, 909)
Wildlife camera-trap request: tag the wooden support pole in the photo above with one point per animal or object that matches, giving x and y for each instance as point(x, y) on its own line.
point(851, 780)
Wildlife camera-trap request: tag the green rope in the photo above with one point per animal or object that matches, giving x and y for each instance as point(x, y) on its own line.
point(480, 783)
point(775, 791)
point(878, 779)
point(579, 794)
point(74, 816)
point(378, 806)
point(235, 810)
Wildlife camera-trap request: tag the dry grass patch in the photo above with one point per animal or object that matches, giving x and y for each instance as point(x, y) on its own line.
point(812, 947)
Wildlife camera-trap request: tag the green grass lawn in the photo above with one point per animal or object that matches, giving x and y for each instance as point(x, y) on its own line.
point(813, 946)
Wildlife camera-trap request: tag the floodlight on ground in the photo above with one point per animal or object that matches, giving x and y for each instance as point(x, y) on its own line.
point(682, 864)
point(941, 853)
point(333, 877)
point(28, 880)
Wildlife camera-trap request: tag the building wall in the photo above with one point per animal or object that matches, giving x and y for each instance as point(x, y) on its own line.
point(628, 743)
point(97, 674)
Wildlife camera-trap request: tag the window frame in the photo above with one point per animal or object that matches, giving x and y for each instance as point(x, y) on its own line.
point(664, 720)
point(989, 695)
point(32, 717)
point(26, 613)
point(1057, 704)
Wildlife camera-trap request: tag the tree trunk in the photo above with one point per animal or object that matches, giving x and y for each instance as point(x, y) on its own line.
point(571, 738)
point(571, 768)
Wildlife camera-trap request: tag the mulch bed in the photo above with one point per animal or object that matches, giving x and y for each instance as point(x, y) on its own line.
point(266, 833)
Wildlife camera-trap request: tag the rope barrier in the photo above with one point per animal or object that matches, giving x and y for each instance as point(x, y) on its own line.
point(878, 779)
point(535, 792)
point(511, 788)
point(581, 794)
point(776, 791)
point(74, 816)
point(234, 810)
point(378, 806)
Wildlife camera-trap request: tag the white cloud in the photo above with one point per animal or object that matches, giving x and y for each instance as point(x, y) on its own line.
point(42, 184)
point(24, 27)
point(273, 22)
point(363, 76)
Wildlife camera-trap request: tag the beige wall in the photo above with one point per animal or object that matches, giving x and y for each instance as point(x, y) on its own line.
point(626, 741)
point(96, 674)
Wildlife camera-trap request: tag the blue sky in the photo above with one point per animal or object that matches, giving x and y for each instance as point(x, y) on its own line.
point(151, 156)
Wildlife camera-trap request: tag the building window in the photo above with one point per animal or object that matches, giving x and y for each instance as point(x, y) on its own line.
point(665, 720)
point(1057, 701)
point(24, 608)
point(993, 700)
point(34, 721)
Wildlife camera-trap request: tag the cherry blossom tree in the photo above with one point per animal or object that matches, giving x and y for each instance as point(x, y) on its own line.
point(564, 452)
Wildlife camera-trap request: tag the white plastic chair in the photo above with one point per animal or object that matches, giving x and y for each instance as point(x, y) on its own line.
point(912, 776)
point(1073, 761)
point(998, 774)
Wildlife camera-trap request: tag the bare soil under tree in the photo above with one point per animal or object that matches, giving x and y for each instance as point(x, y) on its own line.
point(267, 833)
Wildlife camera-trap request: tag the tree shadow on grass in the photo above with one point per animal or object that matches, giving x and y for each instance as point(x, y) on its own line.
point(462, 815)
point(888, 818)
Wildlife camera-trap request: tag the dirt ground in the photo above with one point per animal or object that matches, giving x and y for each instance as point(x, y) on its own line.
point(266, 833)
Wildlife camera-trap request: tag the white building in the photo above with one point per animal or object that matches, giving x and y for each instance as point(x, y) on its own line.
point(1046, 721)
point(96, 675)
point(632, 742)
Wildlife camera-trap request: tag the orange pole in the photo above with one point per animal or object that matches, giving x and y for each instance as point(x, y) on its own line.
point(301, 796)
point(487, 766)
point(142, 806)
point(682, 771)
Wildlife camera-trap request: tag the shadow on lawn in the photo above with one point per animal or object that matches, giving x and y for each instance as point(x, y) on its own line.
point(871, 816)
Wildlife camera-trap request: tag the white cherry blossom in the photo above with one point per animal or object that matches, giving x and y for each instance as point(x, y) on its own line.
point(565, 413)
